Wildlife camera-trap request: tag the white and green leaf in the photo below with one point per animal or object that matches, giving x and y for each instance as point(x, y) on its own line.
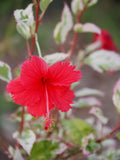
point(55, 57)
point(77, 6)
point(77, 129)
point(99, 114)
point(116, 96)
point(64, 26)
point(5, 72)
point(87, 27)
point(44, 4)
point(26, 139)
point(104, 60)
point(88, 92)
point(25, 21)
point(89, 3)
point(17, 155)
point(86, 102)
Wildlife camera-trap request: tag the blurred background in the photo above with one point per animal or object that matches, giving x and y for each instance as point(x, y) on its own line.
point(105, 14)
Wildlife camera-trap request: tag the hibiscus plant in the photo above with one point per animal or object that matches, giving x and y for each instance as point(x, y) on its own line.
point(47, 90)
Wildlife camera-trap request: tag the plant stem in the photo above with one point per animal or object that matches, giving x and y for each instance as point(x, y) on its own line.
point(22, 120)
point(28, 48)
point(62, 48)
point(109, 134)
point(75, 37)
point(36, 26)
point(38, 46)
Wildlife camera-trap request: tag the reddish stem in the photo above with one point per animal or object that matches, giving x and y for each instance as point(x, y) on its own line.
point(22, 120)
point(62, 48)
point(108, 135)
point(75, 37)
point(36, 26)
point(28, 48)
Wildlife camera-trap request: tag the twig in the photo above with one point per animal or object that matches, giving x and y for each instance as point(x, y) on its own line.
point(22, 120)
point(28, 48)
point(62, 48)
point(36, 26)
point(75, 37)
point(109, 134)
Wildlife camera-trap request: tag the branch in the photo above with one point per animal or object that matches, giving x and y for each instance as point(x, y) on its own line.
point(108, 135)
point(75, 37)
point(22, 120)
point(36, 26)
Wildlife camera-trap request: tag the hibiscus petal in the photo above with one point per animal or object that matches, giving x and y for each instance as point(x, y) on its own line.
point(61, 96)
point(32, 71)
point(63, 74)
point(20, 95)
point(39, 109)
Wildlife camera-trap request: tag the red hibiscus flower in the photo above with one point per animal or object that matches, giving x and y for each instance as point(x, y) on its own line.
point(106, 40)
point(41, 87)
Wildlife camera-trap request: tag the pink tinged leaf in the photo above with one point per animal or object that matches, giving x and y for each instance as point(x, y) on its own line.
point(98, 113)
point(63, 74)
point(87, 102)
point(26, 139)
point(104, 60)
point(87, 27)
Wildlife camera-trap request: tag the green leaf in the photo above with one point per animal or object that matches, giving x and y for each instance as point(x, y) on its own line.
point(87, 27)
point(92, 146)
point(44, 150)
point(116, 96)
point(89, 145)
point(5, 72)
point(44, 4)
point(88, 92)
point(77, 129)
point(64, 26)
point(26, 139)
point(104, 60)
point(118, 136)
point(55, 57)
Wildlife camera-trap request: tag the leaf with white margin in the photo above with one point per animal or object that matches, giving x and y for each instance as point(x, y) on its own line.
point(77, 6)
point(104, 60)
point(55, 57)
point(25, 15)
point(62, 28)
point(44, 4)
point(98, 113)
point(17, 155)
point(26, 139)
point(24, 30)
point(88, 92)
point(87, 102)
point(87, 27)
point(90, 3)
point(25, 21)
point(116, 96)
point(89, 144)
point(5, 72)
